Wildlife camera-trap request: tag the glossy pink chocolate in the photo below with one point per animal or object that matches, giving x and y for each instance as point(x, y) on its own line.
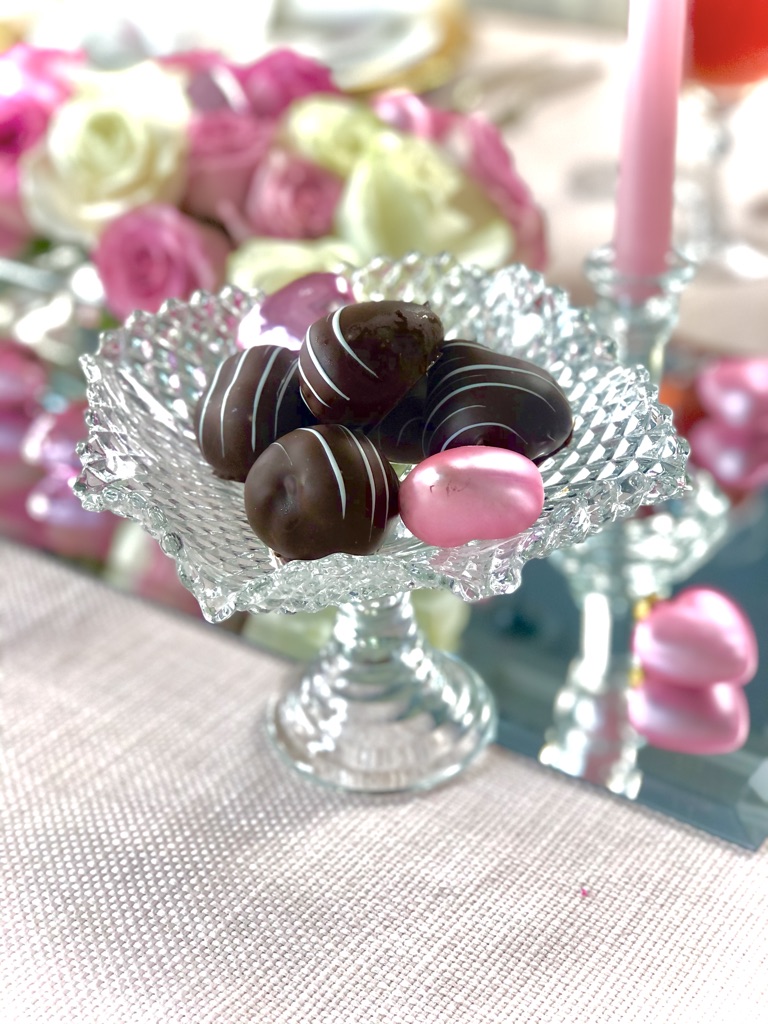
point(695, 639)
point(471, 493)
point(735, 391)
point(710, 720)
point(285, 316)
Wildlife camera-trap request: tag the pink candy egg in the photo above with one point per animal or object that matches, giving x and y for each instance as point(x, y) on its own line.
point(710, 720)
point(735, 391)
point(695, 639)
point(471, 493)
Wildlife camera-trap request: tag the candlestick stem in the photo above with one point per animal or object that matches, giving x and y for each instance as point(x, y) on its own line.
point(639, 311)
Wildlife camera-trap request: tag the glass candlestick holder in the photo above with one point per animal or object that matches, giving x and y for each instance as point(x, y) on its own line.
point(640, 312)
point(612, 576)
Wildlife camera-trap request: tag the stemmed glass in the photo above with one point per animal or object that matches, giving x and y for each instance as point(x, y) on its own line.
point(379, 710)
point(726, 55)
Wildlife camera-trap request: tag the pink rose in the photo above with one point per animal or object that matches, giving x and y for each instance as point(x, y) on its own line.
point(224, 150)
point(44, 74)
point(272, 83)
point(154, 253)
point(489, 162)
point(478, 148)
point(30, 90)
point(407, 113)
point(290, 198)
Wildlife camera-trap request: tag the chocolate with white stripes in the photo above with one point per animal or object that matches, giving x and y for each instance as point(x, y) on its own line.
point(321, 490)
point(476, 396)
point(358, 362)
point(252, 399)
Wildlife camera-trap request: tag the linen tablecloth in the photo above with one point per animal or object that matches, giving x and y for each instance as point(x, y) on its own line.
point(162, 865)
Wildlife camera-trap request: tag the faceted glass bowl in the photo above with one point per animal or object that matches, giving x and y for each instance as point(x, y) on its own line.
point(379, 710)
point(141, 458)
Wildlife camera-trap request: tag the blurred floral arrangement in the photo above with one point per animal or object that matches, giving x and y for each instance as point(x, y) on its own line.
point(183, 172)
point(186, 172)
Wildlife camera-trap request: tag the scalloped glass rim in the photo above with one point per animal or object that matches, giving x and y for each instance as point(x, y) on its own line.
point(141, 460)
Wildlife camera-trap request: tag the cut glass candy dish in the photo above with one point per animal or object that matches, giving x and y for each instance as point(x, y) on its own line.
point(379, 711)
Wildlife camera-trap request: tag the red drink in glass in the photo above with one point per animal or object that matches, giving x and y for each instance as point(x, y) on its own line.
point(727, 42)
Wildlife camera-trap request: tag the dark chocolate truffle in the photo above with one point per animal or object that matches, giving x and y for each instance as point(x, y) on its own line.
point(320, 490)
point(478, 396)
point(399, 434)
point(252, 399)
point(357, 363)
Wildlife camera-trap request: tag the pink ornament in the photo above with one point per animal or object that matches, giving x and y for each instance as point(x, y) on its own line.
point(23, 377)
point(471, 493)
point(736, 458)
point(15, 472)
point(697, 638)
point(52, 438)
point(710, 720)
point(66, 527)
point(735, 391)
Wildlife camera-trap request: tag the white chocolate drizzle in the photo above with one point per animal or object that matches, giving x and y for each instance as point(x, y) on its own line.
point(223, 407)
point(336, 326)
point(257, 397)
point(320, 370)
point(334, 467)
point(366, 463)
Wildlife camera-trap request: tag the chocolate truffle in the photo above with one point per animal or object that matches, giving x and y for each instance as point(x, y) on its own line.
point(320, 490)
point(478, 396)
point(252, 399)
point(399, 434)
point(358, 362)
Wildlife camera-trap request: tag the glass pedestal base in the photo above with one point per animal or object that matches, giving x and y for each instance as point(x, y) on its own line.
point(380, 711)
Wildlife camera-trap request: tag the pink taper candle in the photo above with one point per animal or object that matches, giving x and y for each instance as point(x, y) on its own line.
point(644, 199)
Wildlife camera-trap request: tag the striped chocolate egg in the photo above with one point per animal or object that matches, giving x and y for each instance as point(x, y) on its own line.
point(321, 490)
point(476, 396)
point(252, 399)
point(358, 362)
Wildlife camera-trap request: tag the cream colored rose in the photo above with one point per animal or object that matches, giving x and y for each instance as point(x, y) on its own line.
point(404, 195)
point(270, 263)
point(331, 131)
point(118, 143)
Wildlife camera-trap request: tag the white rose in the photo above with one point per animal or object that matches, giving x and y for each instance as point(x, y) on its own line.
point(331, 131)
point(271, 263)
point(118, 143)
point(404, 195)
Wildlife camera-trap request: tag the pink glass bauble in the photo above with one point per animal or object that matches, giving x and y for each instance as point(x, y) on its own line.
point(735, 391)
point(67, 528)
point(471, 493)
point(695, 639)
point(736, 458)
point(15, 472)
point(710, 720)
point(22, 377)
point(52, 438)
point(15, 521)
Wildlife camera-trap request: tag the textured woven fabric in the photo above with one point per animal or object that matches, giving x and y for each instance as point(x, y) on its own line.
point(161, 865)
